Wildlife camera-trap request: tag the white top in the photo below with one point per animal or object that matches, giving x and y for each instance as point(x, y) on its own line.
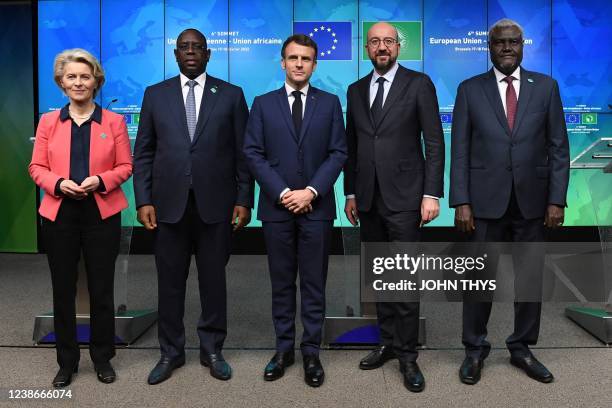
point(502, 85)
point(198, 90)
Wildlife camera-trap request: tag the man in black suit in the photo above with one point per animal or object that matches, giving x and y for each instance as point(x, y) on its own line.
point(296, 146)
point(509, 177)
point(391, 188)
point(192, 184)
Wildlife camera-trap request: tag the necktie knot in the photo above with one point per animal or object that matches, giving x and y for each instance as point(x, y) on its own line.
point(509, 79)
point(296, 94)
point(191, 83)
point(380, 80)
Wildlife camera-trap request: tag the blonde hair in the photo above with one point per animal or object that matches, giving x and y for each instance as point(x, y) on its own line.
point(78, 55)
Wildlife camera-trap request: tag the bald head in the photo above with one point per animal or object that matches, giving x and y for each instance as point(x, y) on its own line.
point(383, 46)
point(382, 30)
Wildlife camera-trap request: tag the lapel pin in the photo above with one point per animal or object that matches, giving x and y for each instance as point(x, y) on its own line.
point(103, 135)
point(213, 89)
point(530, 80)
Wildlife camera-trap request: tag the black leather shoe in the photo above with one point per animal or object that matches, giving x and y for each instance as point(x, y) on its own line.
point(105, 373)
point(163, 369)
point(469, 372)
point(219, 368)
point(63, 377)
point(413, 377)
point(533, 368)
point(377, 358)
point(313, 371)
point(276, 367)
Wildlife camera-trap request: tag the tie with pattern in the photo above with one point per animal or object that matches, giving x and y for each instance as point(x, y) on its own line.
point(296, 111)
point(377, 105)
point(511, 101)
point(190, 109)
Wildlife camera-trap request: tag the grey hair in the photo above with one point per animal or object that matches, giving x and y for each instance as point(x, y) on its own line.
point(505, 23)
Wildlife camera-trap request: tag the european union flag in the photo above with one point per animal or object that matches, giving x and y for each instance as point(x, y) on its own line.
point(572, 118)
point(333, 38)
point(446, 117)
point(128, 119)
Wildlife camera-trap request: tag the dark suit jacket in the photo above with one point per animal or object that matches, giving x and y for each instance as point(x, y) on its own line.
point(391, 150)
point(488, 159)
point(166, 162)
point(279, 158)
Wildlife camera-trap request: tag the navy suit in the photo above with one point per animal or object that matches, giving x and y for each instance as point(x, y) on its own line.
point(280, 158)
point(508, 178)
point(193, 186)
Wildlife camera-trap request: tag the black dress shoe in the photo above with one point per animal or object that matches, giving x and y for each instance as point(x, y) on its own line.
point(533, 368)
point(219, 368)
point(469, 372)
point(163, 369)
point(276, 367)
point(413, 377)
point(63, 378)
point(377, 358)
point(313, 371)
point(105, 373)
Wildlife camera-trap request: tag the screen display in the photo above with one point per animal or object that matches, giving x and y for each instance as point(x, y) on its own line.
point(445, 39)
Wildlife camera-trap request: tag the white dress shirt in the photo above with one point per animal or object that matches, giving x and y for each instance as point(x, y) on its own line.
point(389, 77)
point(290, 98)
point(198, 90)
point(502, 85)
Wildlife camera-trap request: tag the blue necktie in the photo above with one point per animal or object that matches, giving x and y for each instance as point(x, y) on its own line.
point(190, 109)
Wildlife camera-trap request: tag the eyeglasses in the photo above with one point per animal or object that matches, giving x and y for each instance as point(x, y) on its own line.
point(184, 47)
point(388, 41)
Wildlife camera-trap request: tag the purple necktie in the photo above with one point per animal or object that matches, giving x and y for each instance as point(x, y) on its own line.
point(511, 101)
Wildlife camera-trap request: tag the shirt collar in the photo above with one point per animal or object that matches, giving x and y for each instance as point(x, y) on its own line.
point(96, 115)
point(389, 76)
point(201, 79)
point(289, 89)
point(500, 77)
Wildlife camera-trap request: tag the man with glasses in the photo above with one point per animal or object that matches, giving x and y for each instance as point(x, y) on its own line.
point(391, 188)
point(192, 186)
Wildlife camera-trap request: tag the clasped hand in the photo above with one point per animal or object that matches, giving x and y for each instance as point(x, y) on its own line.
point(79, 192)
point(298, 201)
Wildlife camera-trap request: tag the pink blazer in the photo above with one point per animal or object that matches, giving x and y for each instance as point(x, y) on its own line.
point(110, 158)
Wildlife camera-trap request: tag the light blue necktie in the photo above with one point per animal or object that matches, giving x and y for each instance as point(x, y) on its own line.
point(190, 109)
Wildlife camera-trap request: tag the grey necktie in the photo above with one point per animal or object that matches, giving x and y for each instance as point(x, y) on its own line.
point(190, 109)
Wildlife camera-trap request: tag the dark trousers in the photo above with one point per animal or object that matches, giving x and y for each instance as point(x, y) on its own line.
point(79, 228)
point(512, 227)
point(174, 245)
point(298, 244)
point(398, 321)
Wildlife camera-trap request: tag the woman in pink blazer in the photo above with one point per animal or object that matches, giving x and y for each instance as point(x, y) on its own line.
point(81, 157)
